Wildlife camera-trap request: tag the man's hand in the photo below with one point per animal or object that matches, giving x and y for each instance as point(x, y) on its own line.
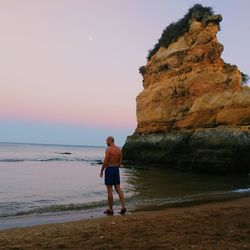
point(101, 173)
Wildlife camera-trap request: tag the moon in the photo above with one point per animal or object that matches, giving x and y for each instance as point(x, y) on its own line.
point(90, 38)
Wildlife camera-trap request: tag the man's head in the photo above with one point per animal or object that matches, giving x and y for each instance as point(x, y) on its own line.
point(110, 140)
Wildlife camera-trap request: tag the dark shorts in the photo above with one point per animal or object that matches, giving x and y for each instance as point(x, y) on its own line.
point(112, 176)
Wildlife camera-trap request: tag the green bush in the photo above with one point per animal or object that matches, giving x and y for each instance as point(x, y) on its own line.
point(142, 70)
point(245, 78)
point(176, 29)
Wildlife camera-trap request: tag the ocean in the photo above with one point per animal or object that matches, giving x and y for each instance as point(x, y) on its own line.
point(56, 183)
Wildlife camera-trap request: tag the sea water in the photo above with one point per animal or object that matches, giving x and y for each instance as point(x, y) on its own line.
point(55, 183)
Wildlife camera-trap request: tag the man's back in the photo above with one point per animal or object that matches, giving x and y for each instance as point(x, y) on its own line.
point(114, 156)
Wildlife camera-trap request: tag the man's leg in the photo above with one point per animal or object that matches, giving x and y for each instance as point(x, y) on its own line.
point(120, 193)
point(110, 197)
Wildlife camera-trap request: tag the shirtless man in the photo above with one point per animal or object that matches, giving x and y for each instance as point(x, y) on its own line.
point(111, 164)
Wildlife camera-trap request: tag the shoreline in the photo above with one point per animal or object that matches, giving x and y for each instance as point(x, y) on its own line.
point(213, 225)
point(30, 220)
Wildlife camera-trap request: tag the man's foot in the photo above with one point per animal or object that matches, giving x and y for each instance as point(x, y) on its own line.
point(109, 212)
point(123, 211)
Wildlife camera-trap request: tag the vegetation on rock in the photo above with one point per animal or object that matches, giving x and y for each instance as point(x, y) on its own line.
point(176, 29)
point(245, 78)
point(142, 70)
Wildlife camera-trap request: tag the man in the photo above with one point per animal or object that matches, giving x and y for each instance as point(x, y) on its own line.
point(111, 164)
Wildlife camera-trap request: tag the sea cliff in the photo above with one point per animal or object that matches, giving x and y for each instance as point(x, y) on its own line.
point(194, 110)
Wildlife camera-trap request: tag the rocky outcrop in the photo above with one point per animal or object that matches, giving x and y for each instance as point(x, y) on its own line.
point(220, 150)
point(194, 112)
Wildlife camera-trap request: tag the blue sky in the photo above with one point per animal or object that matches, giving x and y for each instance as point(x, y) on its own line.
point(69, 69)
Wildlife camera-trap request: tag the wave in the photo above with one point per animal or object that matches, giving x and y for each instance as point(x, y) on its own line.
point(51, 159)
point(11, 160)
point(242, 190)
point(63, 208)
point(56, 209)
point(134, 203)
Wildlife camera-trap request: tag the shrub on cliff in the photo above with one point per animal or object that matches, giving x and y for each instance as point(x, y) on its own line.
point(176, 29)
point(142, 70)
point(245, 78)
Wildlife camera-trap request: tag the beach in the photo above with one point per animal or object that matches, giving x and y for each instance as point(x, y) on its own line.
point(216, 225)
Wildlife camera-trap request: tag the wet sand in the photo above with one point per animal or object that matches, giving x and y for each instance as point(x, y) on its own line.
point(217, 225)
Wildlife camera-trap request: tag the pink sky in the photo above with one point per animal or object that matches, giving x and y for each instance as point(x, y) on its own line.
point(75, 62)
point(60, 62)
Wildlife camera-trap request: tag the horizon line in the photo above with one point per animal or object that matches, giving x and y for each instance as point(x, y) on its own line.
point(52, 144)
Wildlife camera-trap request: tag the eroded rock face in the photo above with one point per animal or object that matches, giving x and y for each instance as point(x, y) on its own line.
point(193, 112)
point(220, 150)
point(188, 85)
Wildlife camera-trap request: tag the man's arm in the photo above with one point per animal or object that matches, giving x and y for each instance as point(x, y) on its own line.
point(105, 162)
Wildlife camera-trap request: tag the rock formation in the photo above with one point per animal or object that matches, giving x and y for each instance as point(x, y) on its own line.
point(194, 112)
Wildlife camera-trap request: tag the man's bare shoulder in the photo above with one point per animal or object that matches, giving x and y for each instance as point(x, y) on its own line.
point(113, 149)
point(116, 147)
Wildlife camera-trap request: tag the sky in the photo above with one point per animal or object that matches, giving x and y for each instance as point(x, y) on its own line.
point(69, 68)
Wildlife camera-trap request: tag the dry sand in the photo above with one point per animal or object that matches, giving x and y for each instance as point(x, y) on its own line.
point(218, 225)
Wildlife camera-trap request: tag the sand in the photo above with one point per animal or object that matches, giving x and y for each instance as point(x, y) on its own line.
point(217, 225)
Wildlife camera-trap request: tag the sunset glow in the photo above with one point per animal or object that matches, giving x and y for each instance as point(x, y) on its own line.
point(76, 62)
